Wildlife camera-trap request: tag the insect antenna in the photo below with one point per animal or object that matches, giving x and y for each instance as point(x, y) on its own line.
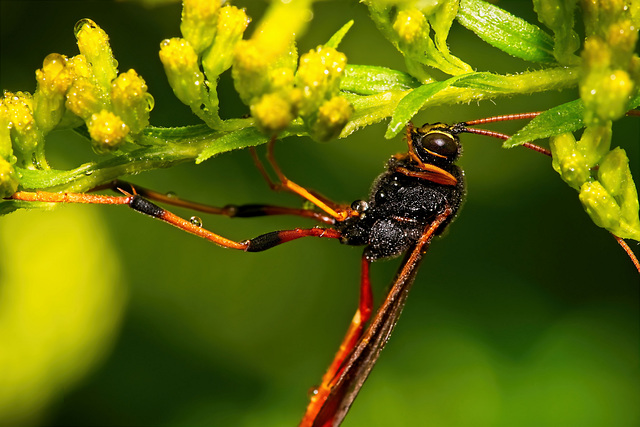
point(464, 127)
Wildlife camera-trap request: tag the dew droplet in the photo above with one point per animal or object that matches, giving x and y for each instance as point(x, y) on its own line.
point(171, 194)
point(312, 391)
point(53, 59)
point(196, 221)
point(150, 101)
point(81, 23)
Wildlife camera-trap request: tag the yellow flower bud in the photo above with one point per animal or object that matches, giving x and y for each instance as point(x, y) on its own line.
point(8, 178)
point(198, 24)
point(181, 66)
point(131, 101)
point(107, 131)
point(54, 78)
point(318, 77)
point(6, 151)
point(599, 204)
point(272, 46)
point(84, 98)
point(606, 95)
point(595, 143)
point(272, 113)
point(596, 53)
point(27, 137)
point(79, 67)
point(615, 176)
point(333, 115)
point(568, 161)
point(411, 25)
point(250, 70)
point(281, 79)
point(622, 36)
point(93, 43)
point(232, 22)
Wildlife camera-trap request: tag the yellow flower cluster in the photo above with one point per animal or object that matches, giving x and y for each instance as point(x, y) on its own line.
point(264, 68)
point(611, 66)
point(71, 91)
point(610, 77)
point(210, 34)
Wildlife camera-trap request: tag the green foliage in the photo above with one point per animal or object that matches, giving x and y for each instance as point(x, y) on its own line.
point(318, 93)
point(525, 345)
point(506, 32)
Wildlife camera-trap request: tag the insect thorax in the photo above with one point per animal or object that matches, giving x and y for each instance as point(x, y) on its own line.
point(399, 209)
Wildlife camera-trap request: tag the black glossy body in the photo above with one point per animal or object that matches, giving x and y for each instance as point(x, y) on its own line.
point(399, 209)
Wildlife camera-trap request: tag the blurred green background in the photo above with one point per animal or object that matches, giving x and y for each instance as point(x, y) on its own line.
point(525, 314)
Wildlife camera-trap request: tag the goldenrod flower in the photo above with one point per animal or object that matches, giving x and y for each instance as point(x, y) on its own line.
point(84, 98)
point(318, 77)
point(272, 113)
point(27, 137)
point(181, 66)
point(411, 25)
point(333, 115)
point(6, 151)
point(131, 101)
point(231, 24)
point(606, 94)
point(250, 71)
point(54, 79)
point(107, 131)
point(93, 43)
point(198, 25)
point(8, 178)
point(568, 161)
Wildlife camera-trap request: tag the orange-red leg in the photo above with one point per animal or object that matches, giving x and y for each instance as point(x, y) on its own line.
point(336, 211)
point(354, 332)
point(231, 211)
point(142, 205)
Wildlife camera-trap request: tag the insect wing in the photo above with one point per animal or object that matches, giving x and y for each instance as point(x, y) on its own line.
point(364, 356)
point(366, 353)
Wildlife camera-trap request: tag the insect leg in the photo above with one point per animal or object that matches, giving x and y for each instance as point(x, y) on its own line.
point(351, 338)
point(231, 211)
point(142, 205)
point(336, 211)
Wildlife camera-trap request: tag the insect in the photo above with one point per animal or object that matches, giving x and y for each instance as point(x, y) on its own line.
point(415, 199)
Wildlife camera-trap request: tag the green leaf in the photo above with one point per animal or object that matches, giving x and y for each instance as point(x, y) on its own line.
point(558, 16)
point(371, 80)
point(441, 20)
point(335, 39)
point(476, 86)
point(506, 32)
point(561, 119)
point(414, 102)
point(418, 98)
point(239, 139)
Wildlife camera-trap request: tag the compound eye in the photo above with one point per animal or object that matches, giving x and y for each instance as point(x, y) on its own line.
point(441, 144)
